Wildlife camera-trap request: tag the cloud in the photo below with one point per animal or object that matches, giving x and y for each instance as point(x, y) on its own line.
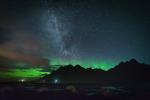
point(23, 58)
point(21, 45)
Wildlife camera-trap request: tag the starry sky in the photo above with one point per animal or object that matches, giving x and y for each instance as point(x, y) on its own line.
point(97, 33)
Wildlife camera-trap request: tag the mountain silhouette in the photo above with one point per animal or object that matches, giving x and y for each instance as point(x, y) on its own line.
point(130, 72)
point(126, 73)
point(74, 74)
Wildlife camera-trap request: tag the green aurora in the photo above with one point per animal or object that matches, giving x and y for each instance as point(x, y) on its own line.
point(32, 73)
point(94, 64)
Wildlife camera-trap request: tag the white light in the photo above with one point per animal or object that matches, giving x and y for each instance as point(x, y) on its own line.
point(56, 81)
point(22, 80)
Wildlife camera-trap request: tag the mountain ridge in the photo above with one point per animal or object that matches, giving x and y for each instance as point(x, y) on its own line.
point(126, 73)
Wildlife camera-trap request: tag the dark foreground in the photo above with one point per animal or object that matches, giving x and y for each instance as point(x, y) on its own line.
point(28, 91)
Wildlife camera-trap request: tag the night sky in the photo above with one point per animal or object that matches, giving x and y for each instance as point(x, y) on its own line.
point(97, 33)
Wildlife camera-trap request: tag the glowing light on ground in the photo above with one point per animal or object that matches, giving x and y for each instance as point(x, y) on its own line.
point(22, 80)
point(56, 81)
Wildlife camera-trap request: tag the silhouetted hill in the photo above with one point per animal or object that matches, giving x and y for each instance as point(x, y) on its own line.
point(130, 72)
point(75, 74)
point(126, 73)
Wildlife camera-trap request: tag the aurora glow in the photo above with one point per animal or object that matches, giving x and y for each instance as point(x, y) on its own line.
point(91, 33)
point(104, 65)
point(31, 73)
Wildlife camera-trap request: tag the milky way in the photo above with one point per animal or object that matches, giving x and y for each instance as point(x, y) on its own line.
point(59, 34)
point(92, 33)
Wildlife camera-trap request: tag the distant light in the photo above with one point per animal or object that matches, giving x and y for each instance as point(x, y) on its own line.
point(22, 80)
point(56, 81)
